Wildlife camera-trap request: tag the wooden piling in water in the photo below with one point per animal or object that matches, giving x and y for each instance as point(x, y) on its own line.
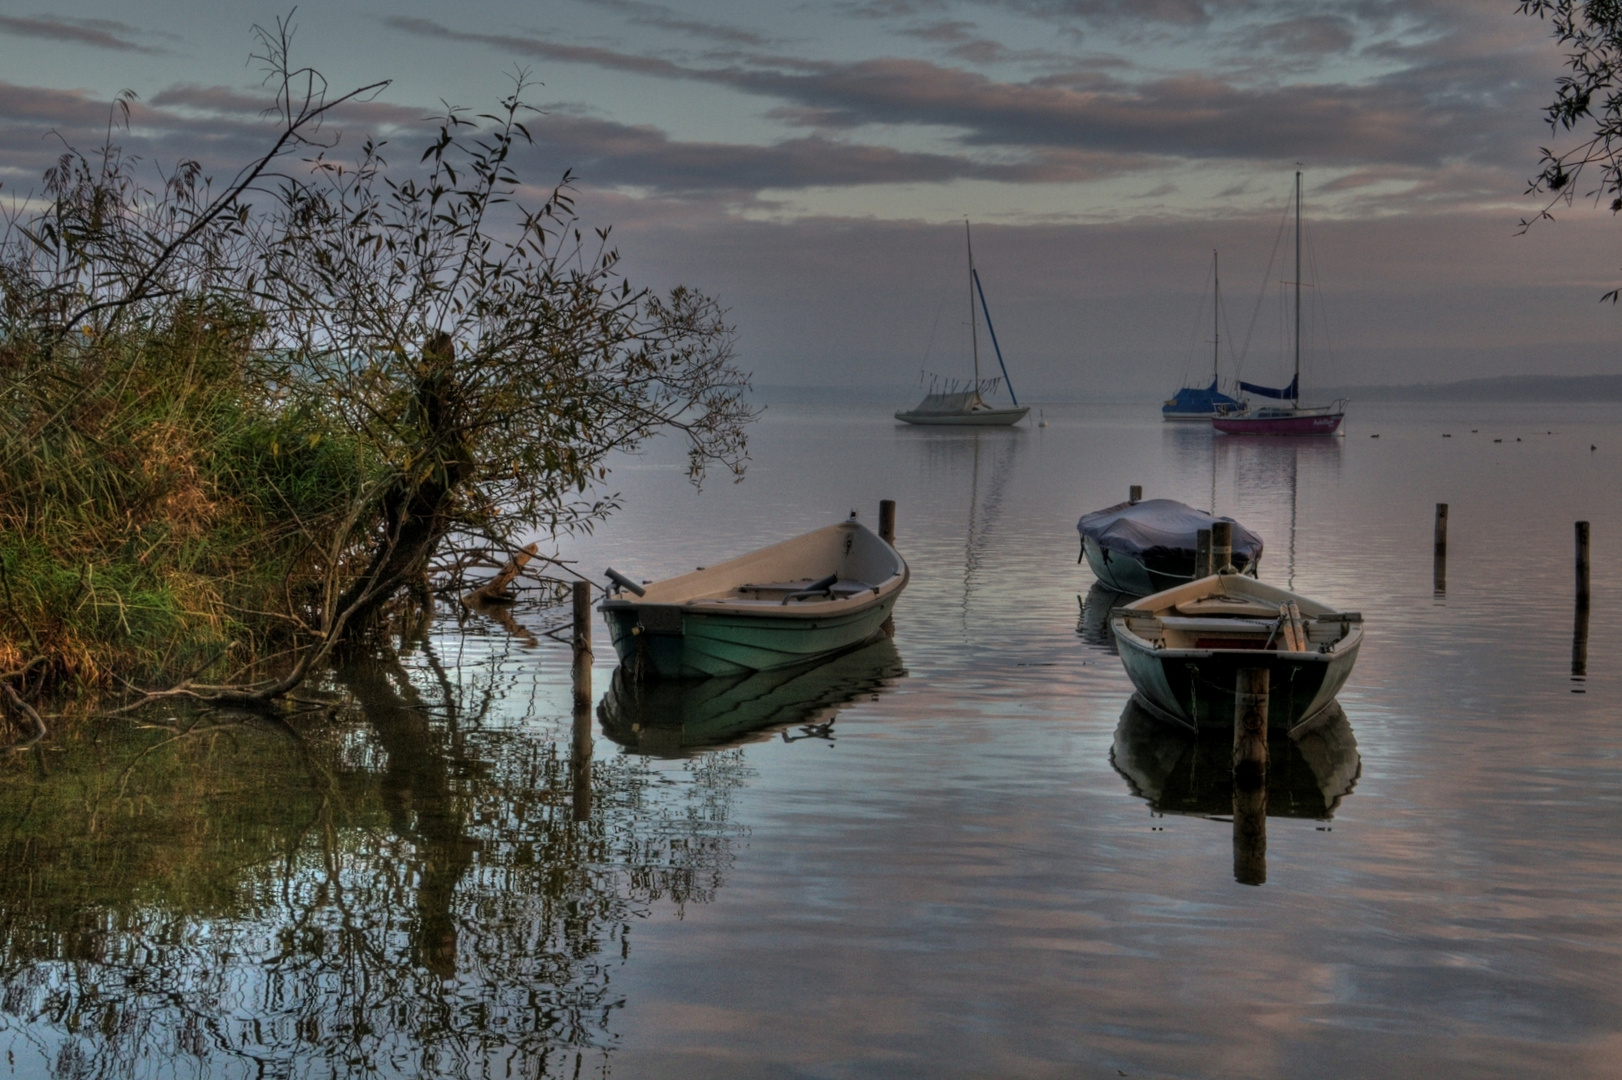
point(1582, 563)
point(1222, 547)
point(1202, 553)
point(1250, 723)
point(1441, 530)
point(1250, 776)
point(1134, 494)
point(580, 763)
point(580, 752)
point(582, 643)
point(887, 521)
point(1579, 644)
point(1579, 624)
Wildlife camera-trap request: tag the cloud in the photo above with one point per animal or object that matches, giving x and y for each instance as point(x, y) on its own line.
point(1420, 115)
point(99, 33)
point(612, 154)
point(640, 13)
point(962, 41)
point(1177, 12)
point(1313, 35)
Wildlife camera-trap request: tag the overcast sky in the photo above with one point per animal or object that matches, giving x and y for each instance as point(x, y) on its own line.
point(811, 163)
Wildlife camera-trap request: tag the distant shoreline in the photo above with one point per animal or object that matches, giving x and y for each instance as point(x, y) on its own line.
point(1507, 388)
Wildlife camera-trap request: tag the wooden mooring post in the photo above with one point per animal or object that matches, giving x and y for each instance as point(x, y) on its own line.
point(1250, 776)
point(887, 534)
point(1134, 494)
point(1579, 626)
point(1439, 559)
point(580, 752)
point(1582, 563)
point(1222, 547)
point(1202, 553)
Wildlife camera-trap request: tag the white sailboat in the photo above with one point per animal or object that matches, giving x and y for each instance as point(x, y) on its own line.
point(1295, 418)
point(957, 404)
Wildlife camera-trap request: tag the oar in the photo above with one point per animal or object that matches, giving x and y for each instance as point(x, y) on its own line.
point(624, 582)
point(816, 587)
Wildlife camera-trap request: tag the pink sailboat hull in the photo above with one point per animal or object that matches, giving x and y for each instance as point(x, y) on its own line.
point(1304, 424)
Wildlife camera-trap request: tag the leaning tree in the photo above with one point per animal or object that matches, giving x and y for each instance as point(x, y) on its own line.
point(475, 349)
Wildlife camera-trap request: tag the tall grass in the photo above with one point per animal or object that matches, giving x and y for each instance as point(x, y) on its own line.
point(157, 502)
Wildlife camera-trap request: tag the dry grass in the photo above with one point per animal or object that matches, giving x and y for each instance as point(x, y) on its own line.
point(157, 507)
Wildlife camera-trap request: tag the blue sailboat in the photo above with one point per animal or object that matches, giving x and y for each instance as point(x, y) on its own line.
point(1205, 402)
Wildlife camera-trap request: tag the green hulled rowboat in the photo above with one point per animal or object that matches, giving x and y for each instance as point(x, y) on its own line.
point(817, 594)
point(1183, 649)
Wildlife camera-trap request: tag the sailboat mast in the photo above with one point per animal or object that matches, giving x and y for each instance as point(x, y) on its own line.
point(1297, 382)
point(1216, 324)
point(974, 322)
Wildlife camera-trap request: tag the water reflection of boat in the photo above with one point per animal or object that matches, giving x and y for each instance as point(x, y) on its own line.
point(1094, 623)
point(677, 718)
point(1309, 771)
point(1183, 649)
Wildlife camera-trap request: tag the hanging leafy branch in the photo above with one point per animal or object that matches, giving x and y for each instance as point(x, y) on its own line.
point(418, 358)
point(1588, 98)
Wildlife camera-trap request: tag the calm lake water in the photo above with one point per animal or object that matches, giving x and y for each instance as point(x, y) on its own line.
point(955, 853)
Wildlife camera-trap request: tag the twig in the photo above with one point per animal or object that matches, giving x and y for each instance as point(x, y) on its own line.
point(17, 705)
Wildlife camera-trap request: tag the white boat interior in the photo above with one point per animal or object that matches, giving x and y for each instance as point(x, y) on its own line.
point(1231, 611)
point(818, 572)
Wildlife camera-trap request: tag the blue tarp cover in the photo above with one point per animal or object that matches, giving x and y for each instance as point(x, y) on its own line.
point(1198, 400)
point(1155, 530)
point(1268, 391)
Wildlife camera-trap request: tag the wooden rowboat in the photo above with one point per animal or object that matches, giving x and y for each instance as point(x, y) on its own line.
point(811, 596)
point(1183, 649)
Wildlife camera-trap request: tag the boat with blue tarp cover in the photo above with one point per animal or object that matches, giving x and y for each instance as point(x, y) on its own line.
point(1205, 402)
point(1146, 546)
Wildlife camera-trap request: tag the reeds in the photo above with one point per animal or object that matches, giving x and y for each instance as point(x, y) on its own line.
point(157, 504)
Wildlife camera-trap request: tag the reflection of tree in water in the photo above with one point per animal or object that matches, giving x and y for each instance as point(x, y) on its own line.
point(398, 889)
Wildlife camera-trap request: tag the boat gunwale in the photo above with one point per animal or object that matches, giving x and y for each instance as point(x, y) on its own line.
point(801, 610)
point(1147, 607)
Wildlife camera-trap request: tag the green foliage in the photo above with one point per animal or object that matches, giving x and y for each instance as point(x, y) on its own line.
point(154, 502)
point(255, 418)
point(1589, 96)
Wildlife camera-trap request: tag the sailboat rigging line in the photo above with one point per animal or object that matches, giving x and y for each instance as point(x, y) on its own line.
point(992, 330)
point(1261, 295)
point(1233, 359)
point(1319, 315)
point(974, 330)
point(937, 325)
point(1193, 353)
